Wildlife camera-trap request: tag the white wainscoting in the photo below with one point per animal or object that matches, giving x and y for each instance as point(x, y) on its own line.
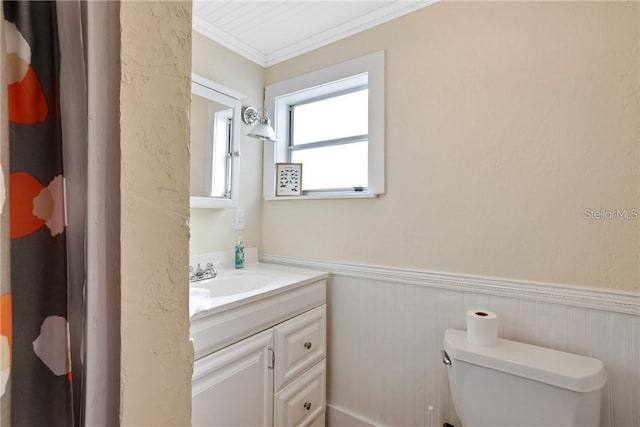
point(385, 329)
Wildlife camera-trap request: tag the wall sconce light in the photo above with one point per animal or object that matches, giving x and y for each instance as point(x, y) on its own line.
point(263, 129)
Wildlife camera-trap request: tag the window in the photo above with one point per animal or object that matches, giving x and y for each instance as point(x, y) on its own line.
point(332, 130)
point(331, 121)
point(222, 153)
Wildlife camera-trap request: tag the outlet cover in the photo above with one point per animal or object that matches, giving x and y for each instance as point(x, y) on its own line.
point(239, 219)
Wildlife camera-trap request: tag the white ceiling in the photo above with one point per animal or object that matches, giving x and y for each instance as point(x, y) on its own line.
point(268, 32)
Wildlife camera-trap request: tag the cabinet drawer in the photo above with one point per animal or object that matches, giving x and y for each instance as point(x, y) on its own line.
point(300, 343)
point(302, 402)
point(320, 421)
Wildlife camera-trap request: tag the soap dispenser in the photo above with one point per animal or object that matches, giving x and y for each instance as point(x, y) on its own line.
point(239, 253)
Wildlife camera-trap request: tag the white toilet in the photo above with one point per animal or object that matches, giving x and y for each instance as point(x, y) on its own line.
point(515, 384)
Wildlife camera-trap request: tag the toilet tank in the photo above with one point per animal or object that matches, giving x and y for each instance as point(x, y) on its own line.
point(516, 384)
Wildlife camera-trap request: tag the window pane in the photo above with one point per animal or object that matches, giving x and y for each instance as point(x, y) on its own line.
point(338, 166)
point(221, 179)
point(331, 118)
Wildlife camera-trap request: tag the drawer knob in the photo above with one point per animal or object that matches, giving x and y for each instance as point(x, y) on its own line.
point(307, 405)
point(307, 345)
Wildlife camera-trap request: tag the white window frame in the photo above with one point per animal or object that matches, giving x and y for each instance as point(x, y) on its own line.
point(369, 69)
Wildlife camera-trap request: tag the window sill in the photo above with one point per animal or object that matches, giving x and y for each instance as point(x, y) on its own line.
point(326, 196)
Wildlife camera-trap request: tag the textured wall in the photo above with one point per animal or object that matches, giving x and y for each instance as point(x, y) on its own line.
point(504, 121)
point(156, 357)
point(212, 229)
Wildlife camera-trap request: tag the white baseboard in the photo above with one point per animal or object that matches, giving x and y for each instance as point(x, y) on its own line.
point(612, 300)
point(340, 417)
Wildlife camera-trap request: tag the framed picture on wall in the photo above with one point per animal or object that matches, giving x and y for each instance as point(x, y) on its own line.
point(288, 179)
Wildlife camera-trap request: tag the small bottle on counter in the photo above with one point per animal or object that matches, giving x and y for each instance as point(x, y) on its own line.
point(239, 253)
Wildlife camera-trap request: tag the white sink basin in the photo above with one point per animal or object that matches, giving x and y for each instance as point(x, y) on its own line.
point(231, 284)
point(234, 288)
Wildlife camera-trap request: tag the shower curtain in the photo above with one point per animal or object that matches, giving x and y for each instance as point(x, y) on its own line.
point(43, 216)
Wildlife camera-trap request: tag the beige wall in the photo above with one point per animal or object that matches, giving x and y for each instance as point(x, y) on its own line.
point(156, 357)
point(212, 229)
point(505, 120)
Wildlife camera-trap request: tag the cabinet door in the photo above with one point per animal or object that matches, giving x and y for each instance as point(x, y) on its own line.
point(234, 386)
point(300, 343)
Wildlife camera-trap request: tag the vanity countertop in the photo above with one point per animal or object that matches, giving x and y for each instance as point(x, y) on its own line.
point(254, 282)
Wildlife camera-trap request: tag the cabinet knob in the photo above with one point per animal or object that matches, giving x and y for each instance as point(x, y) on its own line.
point(307, 345)
point(307, 405)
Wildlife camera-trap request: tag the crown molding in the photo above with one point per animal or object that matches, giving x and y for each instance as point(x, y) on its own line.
point(354, 26)
point(228, 41)
point(612, 300)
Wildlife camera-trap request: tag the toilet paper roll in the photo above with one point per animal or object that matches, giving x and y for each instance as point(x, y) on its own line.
point(482, 327)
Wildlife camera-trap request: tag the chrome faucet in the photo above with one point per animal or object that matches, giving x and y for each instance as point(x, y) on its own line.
point(197, 274)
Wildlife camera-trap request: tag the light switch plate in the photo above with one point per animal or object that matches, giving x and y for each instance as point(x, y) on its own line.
point(239, 219)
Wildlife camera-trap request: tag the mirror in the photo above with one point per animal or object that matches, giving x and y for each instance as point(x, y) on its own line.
point(215, 144)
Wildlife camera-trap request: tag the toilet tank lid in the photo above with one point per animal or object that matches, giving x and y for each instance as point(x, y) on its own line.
point(558, 368)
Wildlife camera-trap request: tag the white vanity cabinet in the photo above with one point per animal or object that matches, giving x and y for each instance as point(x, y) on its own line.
point(276, 377)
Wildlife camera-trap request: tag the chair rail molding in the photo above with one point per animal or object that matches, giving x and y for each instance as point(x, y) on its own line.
point(612, 300)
